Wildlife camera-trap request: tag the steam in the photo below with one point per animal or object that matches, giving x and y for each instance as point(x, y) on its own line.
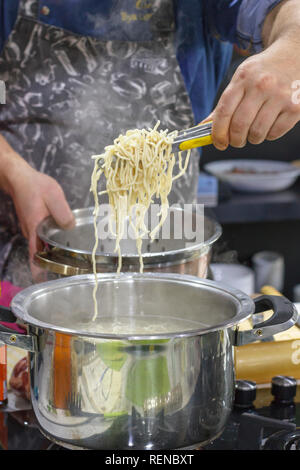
point(221, 254)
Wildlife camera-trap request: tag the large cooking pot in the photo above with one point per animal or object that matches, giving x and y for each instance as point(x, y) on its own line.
point(170, 388)
point(69, 252)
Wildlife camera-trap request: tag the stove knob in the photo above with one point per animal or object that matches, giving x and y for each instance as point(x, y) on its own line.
point(245, 393)
point(283, 389)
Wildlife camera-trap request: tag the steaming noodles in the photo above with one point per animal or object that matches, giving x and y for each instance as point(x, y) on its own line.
point(138, 167)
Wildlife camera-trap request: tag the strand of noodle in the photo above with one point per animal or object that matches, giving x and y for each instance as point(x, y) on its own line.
point(187, 159)
point(95, 178)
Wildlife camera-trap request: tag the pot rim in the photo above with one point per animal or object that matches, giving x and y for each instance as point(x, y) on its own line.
point(147, 257)
point(244, 304)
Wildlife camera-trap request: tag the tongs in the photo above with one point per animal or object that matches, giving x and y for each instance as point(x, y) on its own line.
point(197, 136)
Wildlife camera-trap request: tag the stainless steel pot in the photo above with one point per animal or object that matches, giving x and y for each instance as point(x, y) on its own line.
point(166, 389)
point(69, 252)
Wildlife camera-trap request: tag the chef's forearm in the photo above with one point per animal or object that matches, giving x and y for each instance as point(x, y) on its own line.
point(282, 22)
point(10, 163)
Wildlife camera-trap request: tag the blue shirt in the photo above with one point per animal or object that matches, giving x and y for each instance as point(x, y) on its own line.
point(205, 32)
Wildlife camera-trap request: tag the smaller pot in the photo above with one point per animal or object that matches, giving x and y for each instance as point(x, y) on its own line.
point(69, 252)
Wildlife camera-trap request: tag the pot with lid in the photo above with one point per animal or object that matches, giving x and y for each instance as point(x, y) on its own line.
point(153, 370)
point(69, 252)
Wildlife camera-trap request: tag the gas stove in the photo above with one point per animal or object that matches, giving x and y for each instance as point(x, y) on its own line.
point(263, 418)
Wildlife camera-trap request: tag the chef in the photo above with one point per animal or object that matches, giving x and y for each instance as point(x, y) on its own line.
point(79, 72)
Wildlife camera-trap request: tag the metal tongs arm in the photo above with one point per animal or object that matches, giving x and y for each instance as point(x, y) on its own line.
point(197, 136)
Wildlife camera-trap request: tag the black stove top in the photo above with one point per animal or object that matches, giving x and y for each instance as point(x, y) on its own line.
point(257, 423)
point(253, 430)
point(266, 419)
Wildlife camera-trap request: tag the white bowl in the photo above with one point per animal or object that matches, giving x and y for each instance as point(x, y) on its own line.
point(234, 275)
point(269, 176)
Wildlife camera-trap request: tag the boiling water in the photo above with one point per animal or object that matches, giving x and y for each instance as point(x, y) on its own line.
point(141, 325)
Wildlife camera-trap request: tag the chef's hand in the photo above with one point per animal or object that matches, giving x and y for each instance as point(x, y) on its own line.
point(36, 196)
point(257, 104)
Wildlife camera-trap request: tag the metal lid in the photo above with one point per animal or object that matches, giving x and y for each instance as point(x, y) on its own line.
point(185, 305)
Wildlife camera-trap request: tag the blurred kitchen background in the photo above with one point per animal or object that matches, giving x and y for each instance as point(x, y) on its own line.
point(255, 222)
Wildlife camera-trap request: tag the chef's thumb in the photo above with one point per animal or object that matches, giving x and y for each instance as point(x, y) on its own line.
point(60, 209)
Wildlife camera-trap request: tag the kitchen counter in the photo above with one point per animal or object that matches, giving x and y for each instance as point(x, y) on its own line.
point(248, 208)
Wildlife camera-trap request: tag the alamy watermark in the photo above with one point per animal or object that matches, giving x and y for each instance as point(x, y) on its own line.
point(2, 92)
point(183, 222)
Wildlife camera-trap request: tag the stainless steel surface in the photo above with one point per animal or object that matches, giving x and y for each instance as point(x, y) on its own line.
point(66, 305)
point(132, 391)
point(154, 396)
point(196, 132)
point(26, 342)
point(297, 305)
point(69, 252)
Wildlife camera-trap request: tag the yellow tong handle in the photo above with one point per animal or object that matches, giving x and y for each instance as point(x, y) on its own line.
point(197, 141)
point(200, 142)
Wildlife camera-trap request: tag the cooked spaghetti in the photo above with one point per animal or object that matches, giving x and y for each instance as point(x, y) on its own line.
point(138, 168)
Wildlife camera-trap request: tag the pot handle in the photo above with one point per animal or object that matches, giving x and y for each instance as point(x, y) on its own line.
point(284, 317)
point(11, 337)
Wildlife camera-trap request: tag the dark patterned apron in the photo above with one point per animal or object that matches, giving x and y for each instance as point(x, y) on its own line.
point(68, 96)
